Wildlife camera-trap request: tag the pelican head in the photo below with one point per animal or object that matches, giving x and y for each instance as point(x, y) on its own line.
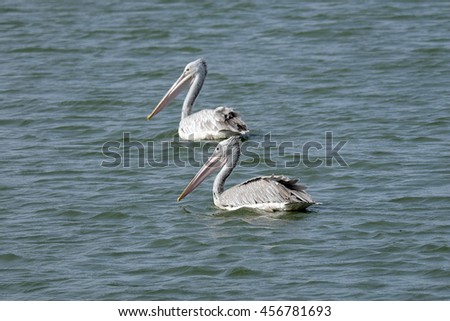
point(226, 154)
point(193, 75)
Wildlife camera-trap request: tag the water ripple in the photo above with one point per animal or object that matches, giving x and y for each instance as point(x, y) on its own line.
point(77, 77)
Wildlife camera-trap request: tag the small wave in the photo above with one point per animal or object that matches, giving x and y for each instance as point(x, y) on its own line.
point(420, 199)
point(110, 215)
point(9, 257)
point(240, 272)
point(192, 270)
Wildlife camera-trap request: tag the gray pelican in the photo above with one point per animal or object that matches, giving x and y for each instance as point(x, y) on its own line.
point(270, 193)
point(207, 124)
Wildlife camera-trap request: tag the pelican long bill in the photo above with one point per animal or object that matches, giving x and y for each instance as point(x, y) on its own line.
point(213, 163)
point(173, 92)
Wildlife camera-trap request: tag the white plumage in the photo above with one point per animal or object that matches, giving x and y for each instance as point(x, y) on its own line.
point(266, 192)
point(211, 124)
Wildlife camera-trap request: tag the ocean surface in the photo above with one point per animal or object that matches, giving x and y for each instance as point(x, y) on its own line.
point(88, 186)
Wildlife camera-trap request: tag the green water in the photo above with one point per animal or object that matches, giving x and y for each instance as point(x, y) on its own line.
point(75, 75)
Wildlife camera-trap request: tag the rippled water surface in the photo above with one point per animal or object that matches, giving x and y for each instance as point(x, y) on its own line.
point(75, 75)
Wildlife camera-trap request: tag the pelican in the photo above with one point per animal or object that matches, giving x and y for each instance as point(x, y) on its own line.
point(270, 193)
point(207, 124)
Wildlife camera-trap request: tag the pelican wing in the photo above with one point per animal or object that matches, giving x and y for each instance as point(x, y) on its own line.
point(218, 123)
point(267, 192)
point(229, 120)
